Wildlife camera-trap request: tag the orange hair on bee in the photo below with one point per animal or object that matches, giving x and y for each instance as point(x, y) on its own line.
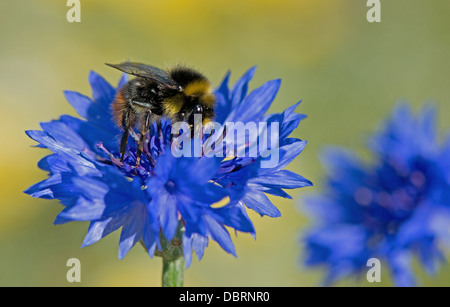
point(118, 109)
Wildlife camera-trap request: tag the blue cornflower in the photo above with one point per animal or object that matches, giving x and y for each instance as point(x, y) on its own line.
point(392, 208)
point(166, 193)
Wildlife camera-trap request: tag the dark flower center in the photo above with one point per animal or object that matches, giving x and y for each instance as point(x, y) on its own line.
point(170, 186)
point(387, 209)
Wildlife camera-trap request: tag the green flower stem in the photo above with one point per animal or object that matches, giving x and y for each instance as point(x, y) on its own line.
point(173, 259)
point(173, 272)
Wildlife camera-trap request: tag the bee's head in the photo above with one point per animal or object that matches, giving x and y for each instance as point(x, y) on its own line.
point(199, 99)
point(198, 96)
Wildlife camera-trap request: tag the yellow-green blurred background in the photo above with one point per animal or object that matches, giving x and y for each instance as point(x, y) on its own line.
point(348, 72)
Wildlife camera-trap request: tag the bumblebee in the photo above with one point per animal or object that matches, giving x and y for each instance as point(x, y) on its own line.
point(178, 94)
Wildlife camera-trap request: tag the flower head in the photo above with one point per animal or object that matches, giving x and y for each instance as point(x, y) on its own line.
point(203, 194)
point(392, 208)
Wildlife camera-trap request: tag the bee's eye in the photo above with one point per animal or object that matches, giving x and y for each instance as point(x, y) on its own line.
point(198, 109)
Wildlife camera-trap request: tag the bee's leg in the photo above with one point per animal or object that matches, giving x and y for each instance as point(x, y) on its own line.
point(123, 144)
point(143, 131)
point(126, 125)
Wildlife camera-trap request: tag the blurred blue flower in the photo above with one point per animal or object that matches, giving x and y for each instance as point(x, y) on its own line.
point(85, 173)
point(393, 208)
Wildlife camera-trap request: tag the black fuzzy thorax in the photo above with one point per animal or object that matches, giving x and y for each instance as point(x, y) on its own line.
point(184, 75)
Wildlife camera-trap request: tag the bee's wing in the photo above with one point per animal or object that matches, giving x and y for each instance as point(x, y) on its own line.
point(146, 71)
